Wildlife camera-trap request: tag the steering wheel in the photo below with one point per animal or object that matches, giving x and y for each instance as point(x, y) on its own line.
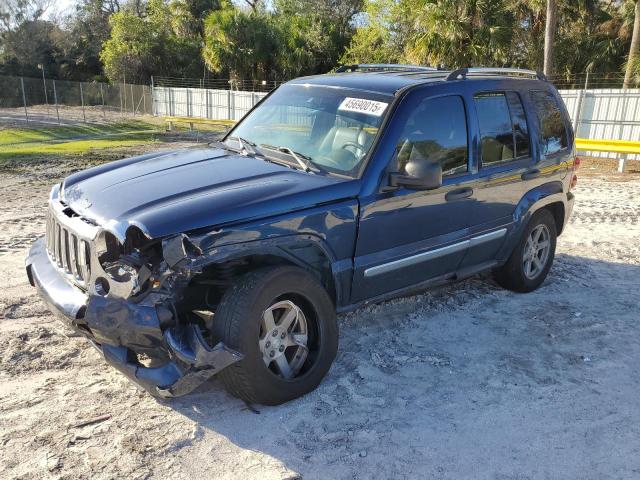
point(356, 145)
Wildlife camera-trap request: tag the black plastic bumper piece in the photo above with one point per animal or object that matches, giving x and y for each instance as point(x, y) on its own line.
point(122, 330)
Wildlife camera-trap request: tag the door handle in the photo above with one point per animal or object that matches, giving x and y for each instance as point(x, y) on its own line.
point(531, 174)
point(458, 194)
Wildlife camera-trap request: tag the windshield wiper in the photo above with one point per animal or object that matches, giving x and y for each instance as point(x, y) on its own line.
point(245, 146)
point(303, 160)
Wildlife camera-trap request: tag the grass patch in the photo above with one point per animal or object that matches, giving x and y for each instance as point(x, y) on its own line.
point(17, 136)
point(21, 144)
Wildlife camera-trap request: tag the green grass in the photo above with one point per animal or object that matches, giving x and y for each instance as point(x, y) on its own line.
point(23, 144)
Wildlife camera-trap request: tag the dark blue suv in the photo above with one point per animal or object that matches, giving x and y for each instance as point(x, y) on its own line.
point(335, 191)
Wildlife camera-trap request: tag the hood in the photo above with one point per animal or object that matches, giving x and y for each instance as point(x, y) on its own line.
point(178, 191)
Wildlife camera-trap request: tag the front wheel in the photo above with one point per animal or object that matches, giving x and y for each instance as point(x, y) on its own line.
point(531, 260)
point(284, 323)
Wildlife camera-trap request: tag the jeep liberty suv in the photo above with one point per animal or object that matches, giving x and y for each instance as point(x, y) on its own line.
point(334, 191)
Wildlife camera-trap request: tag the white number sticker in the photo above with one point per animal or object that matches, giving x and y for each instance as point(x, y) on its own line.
point(361, 105)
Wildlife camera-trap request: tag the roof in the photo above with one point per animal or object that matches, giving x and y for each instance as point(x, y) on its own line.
point(387, 80)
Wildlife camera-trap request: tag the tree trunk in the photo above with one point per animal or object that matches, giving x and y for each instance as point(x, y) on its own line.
point(549, 34)
point(635, 46)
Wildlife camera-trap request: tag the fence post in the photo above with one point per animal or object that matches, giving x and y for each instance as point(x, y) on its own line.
point(582, 95)
point(104, 113)
point(120, 94)
point(623, 114)
point(621, 162)
point(578, 111)
point(206, 101)
point(133, 102)
point(24, 100)
point(55, 100)
point(153, 99)
point(229, 96)
point(44, 86)
point(84, 117)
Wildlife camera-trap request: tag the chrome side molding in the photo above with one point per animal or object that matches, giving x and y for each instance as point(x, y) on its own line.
point(433, 254)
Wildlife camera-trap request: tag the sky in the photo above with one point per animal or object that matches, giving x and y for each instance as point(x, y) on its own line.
point(60, 6)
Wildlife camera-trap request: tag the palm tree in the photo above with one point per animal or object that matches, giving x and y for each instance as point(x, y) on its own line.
point(633, 50)
point(549, 33)
point(460, 33)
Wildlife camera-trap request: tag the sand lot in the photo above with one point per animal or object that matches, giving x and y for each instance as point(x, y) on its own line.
point(467, 381)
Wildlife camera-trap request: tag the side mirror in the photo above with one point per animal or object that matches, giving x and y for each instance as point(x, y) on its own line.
point(419, 175)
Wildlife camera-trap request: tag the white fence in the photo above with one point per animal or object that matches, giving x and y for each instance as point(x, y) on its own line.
point(612, 114)
point(605, 114)
point(203, 102)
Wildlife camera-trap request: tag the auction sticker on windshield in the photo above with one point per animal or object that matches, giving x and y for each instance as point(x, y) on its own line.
point(362, 105)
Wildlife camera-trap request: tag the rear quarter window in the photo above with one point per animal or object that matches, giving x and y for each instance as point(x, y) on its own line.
point(552, 127)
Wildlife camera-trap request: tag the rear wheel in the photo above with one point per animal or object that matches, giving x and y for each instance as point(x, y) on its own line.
point(283, 322)
point(532, 258)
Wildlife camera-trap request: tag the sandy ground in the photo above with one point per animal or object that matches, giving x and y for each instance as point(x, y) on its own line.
point(467, 381)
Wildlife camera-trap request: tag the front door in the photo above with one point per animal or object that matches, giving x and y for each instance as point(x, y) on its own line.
point(405, 236)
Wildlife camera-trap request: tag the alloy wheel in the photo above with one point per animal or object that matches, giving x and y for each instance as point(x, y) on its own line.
point(283, 339)
point(536, 251)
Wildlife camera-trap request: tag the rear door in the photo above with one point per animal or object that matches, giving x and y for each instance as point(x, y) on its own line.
point(506, 163)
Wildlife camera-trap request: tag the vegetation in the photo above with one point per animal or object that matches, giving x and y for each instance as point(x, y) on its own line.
point(21, 144)
point(279, 39)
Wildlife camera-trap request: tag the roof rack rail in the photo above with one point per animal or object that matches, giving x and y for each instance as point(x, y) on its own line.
point(462, 73)
point(383, 67)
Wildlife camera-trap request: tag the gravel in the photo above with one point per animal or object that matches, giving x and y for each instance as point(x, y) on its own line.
point(466, 381)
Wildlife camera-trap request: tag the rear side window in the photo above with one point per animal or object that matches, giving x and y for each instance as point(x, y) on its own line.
point(520, 127)
point(503, 127)
point(436, 131)
point(554, 133)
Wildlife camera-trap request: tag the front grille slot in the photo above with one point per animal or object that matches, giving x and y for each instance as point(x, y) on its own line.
point(68, 251)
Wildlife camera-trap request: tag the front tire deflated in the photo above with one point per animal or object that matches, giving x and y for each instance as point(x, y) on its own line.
point(284, 323)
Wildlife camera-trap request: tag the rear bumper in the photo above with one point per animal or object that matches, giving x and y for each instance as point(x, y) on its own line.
point(122, 331)
point(568, 209)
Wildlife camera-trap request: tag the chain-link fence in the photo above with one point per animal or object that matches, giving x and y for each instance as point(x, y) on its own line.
point(587, 80)
point(42, 100)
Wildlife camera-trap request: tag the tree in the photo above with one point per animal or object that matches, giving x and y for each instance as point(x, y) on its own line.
point(240, 44)
point(549, 34)
point(314, 34)
point(461, 33)
point(382, 34)
point(32, 43)
point(632, 60)
point(88, 30)
point(142, 46)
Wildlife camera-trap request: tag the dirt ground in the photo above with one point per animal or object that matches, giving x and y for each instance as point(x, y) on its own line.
point(467, 381)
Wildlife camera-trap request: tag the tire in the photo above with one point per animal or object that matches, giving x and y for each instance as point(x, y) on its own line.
point(239, 322)
point(514, 275)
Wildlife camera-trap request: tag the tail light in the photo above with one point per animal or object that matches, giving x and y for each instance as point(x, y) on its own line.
point(576, 163)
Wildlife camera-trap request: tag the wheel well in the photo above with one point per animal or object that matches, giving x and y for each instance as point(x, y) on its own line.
point(557, 210)
point(206, 289)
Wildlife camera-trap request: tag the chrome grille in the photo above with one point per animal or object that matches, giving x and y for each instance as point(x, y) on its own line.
point(68, 250)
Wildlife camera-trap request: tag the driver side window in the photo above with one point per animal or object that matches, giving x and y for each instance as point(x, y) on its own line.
point(436, 131)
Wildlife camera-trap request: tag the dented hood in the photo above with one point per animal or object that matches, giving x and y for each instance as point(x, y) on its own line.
point(177, 191)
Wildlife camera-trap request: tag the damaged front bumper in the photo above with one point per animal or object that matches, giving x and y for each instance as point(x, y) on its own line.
point(124, 331)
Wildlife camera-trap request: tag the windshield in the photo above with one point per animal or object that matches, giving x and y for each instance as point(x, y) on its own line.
point(327, 128)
